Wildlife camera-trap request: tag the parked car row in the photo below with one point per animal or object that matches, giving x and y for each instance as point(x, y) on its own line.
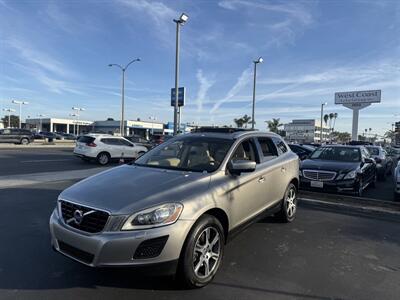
point(345, 168)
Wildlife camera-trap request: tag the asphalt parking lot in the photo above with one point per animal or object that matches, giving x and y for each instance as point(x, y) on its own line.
point(322, 255)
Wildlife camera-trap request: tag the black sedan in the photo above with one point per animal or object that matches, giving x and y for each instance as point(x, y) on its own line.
point(338, 168)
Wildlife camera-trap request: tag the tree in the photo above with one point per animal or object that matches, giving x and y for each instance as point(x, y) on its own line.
point(243, 121)
point(341, 137)
point(389, 135)
point(274, 124)
point(14, 120)
point(335, 115)
point(326, 118)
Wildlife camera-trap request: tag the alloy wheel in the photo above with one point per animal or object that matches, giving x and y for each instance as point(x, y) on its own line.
point(103, 159)
point(207, 252)
point(291, 203)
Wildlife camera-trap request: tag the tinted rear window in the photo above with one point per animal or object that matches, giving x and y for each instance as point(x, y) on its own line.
point(373, 150)
point(86, 139)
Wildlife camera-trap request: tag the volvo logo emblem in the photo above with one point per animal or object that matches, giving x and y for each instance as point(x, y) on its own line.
point(78, 216)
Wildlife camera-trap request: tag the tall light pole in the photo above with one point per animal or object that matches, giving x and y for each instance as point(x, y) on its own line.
point(40, 120)
point(322, 126)
point(152, 119)
point(74, 116)
point(123, 69)
point(9, 110)
point(179, 22)
point(20, 103)
point(77, 109)
point(256, 62)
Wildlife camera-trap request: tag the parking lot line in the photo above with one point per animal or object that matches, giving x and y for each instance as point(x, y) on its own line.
point(45, 160)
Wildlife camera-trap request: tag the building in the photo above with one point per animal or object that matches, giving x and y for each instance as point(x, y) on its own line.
point(59, 125)
point(306, 131)
point(1, 125)
point(184, 128)
point(138, 127)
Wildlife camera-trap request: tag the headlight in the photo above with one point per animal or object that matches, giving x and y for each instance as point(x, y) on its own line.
point(154, 217)
point(351, 175)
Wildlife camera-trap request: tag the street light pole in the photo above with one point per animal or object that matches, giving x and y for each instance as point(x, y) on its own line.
point(77, 109)
point(40, 120)
point(152, 125)
point(322, 126)
point(9, 110)
point(123, 69)
point(258, 61)
point(181, 21)
point(20, 103)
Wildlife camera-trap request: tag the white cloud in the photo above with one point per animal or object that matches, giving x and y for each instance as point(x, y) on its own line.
point(205, 84)
point(241, 82)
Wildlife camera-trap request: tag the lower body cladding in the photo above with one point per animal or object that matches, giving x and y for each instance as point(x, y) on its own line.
point(341, 186)
point(148, 248)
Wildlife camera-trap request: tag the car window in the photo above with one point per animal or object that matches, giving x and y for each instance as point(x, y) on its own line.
point(268, 148)
point(125, 142)
point(188, 153)
point(345, 154)
point(84, 139)
point(245, 151)
point(6, 131)
point(297, 149)
point(280, 145)
point(373, 150)
point(112, 141)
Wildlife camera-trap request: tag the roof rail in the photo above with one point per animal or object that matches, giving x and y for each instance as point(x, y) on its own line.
point(220, 129)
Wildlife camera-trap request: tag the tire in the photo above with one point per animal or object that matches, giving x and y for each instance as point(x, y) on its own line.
point(24, 141)
point(382, 175)
point(196, 251)
point(289, 205)
point(103, 158)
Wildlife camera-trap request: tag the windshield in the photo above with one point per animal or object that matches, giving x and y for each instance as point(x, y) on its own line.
point(373, 150)
point(337, 154)
point(188, 154)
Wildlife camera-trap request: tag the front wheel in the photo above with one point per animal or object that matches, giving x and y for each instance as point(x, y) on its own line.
point(103, 158)
point(289, 205)
point(24, 141)
point(202, 253)
point(360, 188)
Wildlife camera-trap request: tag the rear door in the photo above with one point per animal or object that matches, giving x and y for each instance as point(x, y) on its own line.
point(274, 167)
point(128, 148)
point(6, 136)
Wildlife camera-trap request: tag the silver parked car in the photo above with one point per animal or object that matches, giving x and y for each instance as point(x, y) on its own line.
point(178, 204)
point(384, 163)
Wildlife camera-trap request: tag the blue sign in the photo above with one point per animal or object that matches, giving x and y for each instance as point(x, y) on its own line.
point(181, 96)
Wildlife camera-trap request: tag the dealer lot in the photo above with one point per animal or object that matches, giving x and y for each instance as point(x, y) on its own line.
point(322, 255)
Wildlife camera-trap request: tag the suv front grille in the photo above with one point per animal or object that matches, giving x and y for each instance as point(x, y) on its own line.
point(92, 221)
point(319, 175)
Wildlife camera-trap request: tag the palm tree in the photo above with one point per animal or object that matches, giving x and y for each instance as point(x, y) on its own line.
point(326, 118)
point(238, 122)
point(274, 125)
point(335, 115)
point(246, 120)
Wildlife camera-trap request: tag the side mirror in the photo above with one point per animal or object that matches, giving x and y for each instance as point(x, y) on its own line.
point(303, 156)
point(241, 166)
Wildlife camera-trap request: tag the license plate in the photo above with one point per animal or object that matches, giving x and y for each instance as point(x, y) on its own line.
point(317, 184)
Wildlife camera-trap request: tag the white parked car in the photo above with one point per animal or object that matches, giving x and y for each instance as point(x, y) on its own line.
point(104, 147)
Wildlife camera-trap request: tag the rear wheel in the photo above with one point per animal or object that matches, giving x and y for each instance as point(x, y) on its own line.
point(24, 141)
point(202, 253)
point(289, 205)
point(103, 158)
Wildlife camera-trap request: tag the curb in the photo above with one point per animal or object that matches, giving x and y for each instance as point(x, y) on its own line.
point(360, 209)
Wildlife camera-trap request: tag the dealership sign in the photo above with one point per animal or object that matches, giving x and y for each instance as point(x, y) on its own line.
point(358, 97)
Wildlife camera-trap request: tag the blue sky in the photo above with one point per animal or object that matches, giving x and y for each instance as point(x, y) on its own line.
point(54, 54)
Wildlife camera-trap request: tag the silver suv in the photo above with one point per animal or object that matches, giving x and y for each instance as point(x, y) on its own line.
point(178, 204)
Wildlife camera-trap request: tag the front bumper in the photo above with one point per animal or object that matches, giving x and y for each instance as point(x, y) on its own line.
point(341, 186)
point(117, 248)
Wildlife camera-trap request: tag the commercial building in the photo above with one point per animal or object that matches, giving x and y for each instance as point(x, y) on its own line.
point(1, 125)
point(59, 125)
point(306, 131)
point(138, 127)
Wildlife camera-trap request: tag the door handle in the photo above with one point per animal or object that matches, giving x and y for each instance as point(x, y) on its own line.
point(261, 179)
point(283, 169)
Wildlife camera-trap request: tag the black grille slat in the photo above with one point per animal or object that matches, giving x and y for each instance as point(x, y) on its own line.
point(92, 223)
point(150, 248)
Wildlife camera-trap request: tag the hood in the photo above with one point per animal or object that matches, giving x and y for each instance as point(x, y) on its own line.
point(129, 188)
point(329, 165)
